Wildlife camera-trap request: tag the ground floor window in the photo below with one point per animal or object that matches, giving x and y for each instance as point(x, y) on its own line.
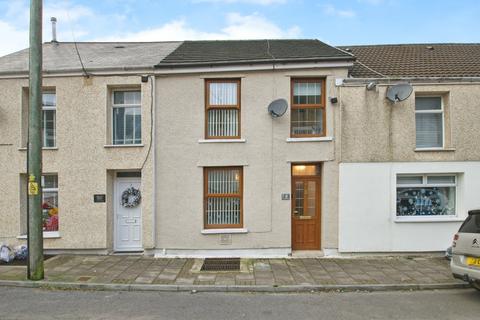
point(50, 202)
point(426, 195)
point(223, 197)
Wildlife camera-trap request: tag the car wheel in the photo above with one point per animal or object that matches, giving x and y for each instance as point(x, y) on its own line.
point(476, 284)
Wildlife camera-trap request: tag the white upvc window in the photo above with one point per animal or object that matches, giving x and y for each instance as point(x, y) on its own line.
point(426, 195)
point(49, 121)
point(126, 117)
point(429, 122)
point(50, 202)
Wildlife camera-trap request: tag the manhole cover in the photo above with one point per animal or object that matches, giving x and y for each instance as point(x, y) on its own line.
point(221, 264)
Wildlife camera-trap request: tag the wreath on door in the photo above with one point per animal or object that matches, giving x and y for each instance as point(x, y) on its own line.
point(131, 198)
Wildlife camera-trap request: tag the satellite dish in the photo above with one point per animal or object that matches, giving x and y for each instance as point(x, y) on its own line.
point(399, 92)
point(277, 108)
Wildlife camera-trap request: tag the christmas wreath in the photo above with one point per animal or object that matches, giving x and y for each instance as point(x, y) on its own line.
point(131, 198)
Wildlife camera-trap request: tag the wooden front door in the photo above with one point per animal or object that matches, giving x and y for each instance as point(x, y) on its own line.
point(305, 212)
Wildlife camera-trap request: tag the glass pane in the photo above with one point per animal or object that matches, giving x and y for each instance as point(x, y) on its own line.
point(132, 97)
point(138, 126)
point(129, 125)
point(48, 128)
point(428, 103)
point(307, 121)
point(299, 198)
point(223, 211)
point(441, 179)
point(306, 170)
point(118, 97)
point(118, 125)
point(429, 130)
point(49, 99)
point(471, 224)
point(50, 211)
point(429, 201)
point(223, 181)
point(50, 181)
point(307, 92)
point(222, 123)
point(223, 93)
point(409, 179)
point(311, 198)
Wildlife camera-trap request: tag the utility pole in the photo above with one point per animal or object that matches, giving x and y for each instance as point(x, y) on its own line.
point(34, 158)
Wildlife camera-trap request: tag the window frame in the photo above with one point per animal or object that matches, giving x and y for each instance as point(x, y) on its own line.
point(114, 106)
point(431, 111)
point(426, 184)
point(321, 105)
point(206, 195)
point(49, 108)
point(237, 107)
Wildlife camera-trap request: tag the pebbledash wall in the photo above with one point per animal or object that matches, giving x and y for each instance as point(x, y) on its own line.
point(378, 142)
point(83, 159)
point(265, 151)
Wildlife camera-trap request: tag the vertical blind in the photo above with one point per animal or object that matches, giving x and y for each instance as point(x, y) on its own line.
point(223, 109)
point(223, 199)
point(429, 122)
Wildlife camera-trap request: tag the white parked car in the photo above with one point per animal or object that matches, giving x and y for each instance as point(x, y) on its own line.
point(465, 261)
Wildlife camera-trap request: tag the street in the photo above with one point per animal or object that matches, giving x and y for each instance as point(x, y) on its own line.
point(23, 303)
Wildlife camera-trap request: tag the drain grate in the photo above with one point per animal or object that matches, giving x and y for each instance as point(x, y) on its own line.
point(221, 264)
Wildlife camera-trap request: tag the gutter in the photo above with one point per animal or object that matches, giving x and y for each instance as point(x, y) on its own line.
point(416, 80)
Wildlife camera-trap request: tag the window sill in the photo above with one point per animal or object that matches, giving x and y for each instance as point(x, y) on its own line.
point(222, 141)
point(312, 139)
point(46, 235)
point(434, 149)
point(224, 231)
point(428, 219)
point(124, 145)
point(43, 148)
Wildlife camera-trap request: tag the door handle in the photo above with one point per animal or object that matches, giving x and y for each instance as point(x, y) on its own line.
point(130, 220)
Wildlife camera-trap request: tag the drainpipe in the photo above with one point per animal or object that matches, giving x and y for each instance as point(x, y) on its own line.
point(154, 165)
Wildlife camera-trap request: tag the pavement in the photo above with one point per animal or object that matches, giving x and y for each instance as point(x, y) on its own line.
point(142, 273)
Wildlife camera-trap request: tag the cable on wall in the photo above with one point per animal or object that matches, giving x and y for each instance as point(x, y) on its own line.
point(151, 123)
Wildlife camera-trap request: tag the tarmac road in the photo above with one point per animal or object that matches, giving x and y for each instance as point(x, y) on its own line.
point(26, 303)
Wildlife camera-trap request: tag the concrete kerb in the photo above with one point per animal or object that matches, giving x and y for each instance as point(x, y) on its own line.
point(228, 288)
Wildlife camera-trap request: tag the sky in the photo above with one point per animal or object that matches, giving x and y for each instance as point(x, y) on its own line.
point(336, 22)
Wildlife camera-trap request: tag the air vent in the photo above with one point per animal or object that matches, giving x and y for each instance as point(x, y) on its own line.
point(221, 264)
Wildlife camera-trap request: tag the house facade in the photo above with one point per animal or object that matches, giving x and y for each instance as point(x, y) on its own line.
point(169, 149)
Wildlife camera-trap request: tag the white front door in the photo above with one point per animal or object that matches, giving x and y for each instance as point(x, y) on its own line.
point(128, 218)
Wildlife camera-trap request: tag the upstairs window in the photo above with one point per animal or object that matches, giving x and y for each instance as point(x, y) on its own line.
point(127, 117)
point(308, 108)
point(429, 122)
point(49, 110)
point(222, 109)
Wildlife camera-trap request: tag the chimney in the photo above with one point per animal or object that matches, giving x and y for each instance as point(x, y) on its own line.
point(54, 29)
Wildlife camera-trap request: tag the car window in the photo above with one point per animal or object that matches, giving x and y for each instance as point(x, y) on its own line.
point(471, 224)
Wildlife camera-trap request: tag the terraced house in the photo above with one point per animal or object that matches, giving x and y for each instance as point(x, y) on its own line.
point(169, 148)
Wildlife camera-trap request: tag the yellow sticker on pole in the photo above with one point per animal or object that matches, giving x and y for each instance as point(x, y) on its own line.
point(32, 186)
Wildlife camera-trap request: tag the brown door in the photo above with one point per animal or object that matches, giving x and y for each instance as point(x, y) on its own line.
point(305, 211)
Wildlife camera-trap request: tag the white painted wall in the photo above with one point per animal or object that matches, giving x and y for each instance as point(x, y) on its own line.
point(367, 212)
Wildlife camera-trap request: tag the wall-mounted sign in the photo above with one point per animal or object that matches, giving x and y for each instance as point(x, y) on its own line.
point(99, 198)
point(285, 196)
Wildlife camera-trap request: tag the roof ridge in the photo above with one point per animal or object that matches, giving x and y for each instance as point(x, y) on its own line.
point(412, 44)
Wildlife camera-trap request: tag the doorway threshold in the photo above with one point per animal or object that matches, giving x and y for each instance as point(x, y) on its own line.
point(307, 254)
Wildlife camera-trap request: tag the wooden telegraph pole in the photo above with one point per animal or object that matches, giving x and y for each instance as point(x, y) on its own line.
point(34, 158)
